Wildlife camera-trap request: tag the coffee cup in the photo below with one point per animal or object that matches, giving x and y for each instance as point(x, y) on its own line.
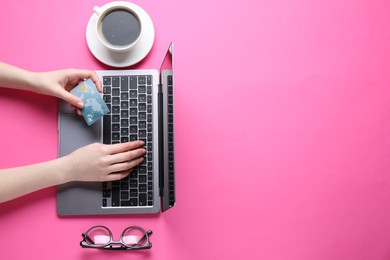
point(119, 28)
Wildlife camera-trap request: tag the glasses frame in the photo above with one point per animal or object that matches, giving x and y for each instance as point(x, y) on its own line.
point(116, 245)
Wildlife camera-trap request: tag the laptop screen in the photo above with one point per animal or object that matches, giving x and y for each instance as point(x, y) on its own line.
point(167, 172)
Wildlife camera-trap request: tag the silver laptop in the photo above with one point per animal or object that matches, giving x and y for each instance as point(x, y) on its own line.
point(141, 108)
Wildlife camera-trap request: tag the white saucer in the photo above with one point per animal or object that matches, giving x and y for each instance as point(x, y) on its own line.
point(121, 59)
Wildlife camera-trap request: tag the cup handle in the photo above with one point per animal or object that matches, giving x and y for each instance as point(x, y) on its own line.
point(97, 10)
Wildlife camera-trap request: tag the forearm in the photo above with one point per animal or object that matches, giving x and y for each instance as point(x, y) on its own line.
point(94, 162)
point(13, 77)
point(16, 182)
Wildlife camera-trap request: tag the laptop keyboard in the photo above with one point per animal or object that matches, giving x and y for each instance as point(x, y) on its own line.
point(129, 99)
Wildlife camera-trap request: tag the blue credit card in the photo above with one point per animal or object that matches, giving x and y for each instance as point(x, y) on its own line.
point(94, 106)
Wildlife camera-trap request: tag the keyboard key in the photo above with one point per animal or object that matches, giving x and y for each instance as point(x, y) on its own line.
point(133, 82)
point(124, 95)
point(133, 193)
point(107, 98)
point(133, 111)
point(133, 120)
point(115, 127)
point(125, 131)
point(115, 101)
point(133, 93)
point(115, 110)
point(133, 129)
point(133, 202)
point(115, 118)
point(142, 199)
point(142, 107)
point(142, 80)
point(115, 197)
point(142, 89)
point(142, 178)
point(106, 193)
point(115, 81)
point(124, 104)
point(133, 102)
point(142, 188)
point(124, 122)
point(124, 195)
point(115, 137)
point(150, 195)
point(142, 98)
point(106, 90)
point(107, 129)
point(142, 116)
point(142, 124)
point(106, 81)
point(133, 183)
point(124, 185)
point(115, 92)
point(125, 113)
point(142, 133)
point(124, 83)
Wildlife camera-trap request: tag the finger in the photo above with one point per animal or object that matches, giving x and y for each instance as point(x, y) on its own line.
point(83, 74)
point(79, 112)
point(116, 176)
point(127, 156)
point(125, 166)
point(97, 82)
point(124, 147)
point(70, 98)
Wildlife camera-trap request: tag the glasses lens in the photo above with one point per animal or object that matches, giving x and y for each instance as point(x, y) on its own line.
point(98, 236)
point(134, 237)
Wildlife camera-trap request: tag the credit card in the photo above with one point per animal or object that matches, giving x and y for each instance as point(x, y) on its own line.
point(94, 105)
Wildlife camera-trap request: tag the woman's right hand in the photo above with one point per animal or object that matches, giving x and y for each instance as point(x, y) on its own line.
point(102, 162)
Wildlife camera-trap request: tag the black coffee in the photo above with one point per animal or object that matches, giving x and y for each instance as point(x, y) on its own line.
point(120, 28)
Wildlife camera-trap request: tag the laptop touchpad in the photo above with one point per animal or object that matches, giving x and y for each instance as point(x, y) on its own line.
point(75, 133)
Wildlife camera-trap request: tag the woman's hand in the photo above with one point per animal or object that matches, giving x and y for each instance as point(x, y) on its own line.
point(58, 84)
point(100, 162)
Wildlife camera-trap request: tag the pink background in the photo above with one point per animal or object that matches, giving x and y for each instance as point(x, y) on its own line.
point(282, 147)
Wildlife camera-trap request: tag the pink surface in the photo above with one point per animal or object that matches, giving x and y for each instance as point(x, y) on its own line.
point(282, 148)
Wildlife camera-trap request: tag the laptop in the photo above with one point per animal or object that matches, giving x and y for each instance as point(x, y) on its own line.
point(141, 104)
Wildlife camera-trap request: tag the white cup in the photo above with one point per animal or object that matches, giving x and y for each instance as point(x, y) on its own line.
point(119, 28)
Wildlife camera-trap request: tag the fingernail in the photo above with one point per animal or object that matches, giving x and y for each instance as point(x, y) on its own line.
point(80, 104)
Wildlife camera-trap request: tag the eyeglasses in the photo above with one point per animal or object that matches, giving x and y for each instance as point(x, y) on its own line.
point(132, 238)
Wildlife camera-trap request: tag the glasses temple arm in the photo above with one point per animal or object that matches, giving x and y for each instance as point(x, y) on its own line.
point(88, 238)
